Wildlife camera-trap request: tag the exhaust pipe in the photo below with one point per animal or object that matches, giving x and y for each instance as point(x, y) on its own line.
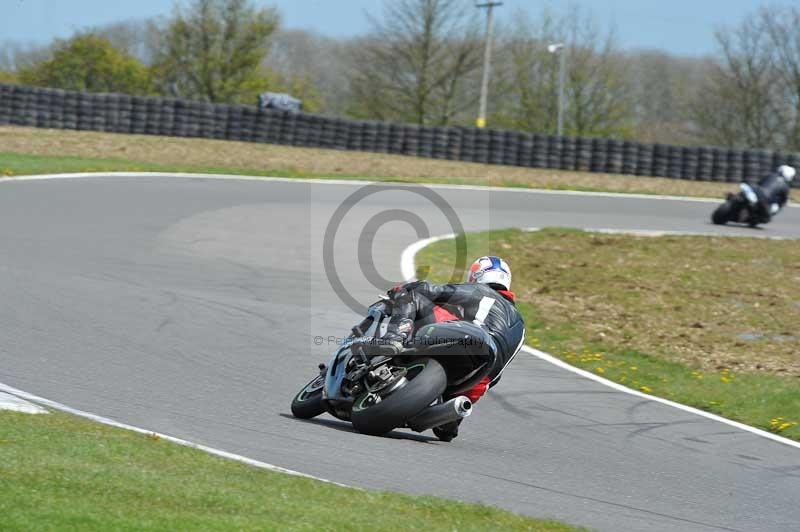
point(436, 415)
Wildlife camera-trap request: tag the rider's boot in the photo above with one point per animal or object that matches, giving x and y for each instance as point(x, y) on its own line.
point(448, 431)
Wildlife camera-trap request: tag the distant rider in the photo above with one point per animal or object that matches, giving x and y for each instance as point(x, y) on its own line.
point(485, 299)
point(771, 194)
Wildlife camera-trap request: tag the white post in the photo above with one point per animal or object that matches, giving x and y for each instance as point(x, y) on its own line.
point(553, 48)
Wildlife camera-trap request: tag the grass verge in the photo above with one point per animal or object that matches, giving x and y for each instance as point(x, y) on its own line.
point(708, 322)
point(60, 472)
point(35, 151)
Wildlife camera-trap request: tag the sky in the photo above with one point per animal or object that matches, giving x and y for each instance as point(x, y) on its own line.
point(683, 27)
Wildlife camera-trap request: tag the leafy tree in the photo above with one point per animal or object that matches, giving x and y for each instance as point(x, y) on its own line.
point(7, 77)
point(90, 63)
point(213, 51)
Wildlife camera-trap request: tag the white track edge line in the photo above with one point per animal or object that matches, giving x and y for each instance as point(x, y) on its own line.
point(407, 266)
point(186, 443)
point(345, 181)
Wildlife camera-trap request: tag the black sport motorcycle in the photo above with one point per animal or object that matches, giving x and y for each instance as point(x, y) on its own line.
point(379, 393)
point(744, 207)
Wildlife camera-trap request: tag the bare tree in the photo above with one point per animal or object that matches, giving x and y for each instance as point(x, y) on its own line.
point(781, 24)
point(663, 89)
point(320, 60)
point(596, 91)
point(416, 63)
point(740, 105)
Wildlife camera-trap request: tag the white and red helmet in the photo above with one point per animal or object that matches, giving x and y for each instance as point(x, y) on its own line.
point(490, 270)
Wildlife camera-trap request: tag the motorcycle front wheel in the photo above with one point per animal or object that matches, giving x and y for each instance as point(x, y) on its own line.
point(308, 401)
point(376, 415)
point(721, 214)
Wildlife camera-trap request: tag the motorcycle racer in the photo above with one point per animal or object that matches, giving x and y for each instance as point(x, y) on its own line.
point(485, 300)
point(772, 192)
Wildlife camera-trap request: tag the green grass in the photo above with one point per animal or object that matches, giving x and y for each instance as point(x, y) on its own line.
point(21, 164)
point(59, 472)
point(664, 315)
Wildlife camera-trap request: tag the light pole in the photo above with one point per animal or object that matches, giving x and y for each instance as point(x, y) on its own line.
point(487, 58)
point(555, 48)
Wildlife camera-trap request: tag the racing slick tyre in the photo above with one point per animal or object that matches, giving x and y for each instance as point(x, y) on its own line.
point(376, 415)
point(721, 214)
point(308, 402)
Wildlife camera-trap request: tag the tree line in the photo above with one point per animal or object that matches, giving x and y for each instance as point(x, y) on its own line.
point(421, 62)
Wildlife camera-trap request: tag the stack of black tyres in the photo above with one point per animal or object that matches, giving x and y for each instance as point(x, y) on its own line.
point(289, 127)
point(511, 152)
point(583, 154)
point(411, 139)
point(630, 157)
point(468, 138)
point(327, 132)
point(644, 159)
point(614, 162)
point(553, 151)
point(138, 113)
point(751, 165)
point(705, 163)
point(482, 140)
point(526, 150)
point(539, 159)
point(719, 163)
point(369, 136)
point(599, 155)
point(440, 141)
point(454, 139)
point(383, 134)
point(735, 170)
point(660, 160)
point(690, 156)
point(249, 121)
point(425, 146)
point(674, 162)
point(396, 134)
point(5, 104)
point(764, 162)
point(496, 146)
point(568, 153)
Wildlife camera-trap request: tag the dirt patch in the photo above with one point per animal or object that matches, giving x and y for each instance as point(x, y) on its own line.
point(709, 303)
point(217, 154)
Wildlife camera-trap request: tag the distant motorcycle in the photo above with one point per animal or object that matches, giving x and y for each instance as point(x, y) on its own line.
point(378, 393)
point(757, 204)
point(743, 208)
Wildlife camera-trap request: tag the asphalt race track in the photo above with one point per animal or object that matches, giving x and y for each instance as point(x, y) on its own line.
point(193, 307)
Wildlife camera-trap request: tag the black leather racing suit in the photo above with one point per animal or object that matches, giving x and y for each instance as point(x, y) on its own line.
point(493, 310)
point(772, 190)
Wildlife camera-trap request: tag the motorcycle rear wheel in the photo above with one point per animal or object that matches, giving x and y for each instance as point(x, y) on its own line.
point(308, 401)
point(377, 416)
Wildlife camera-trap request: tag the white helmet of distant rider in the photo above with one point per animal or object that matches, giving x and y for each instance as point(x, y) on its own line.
point(490, 270)
point(787, 172)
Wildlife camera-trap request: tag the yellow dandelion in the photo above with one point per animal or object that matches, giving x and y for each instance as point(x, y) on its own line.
point(646, 389)
point(600, 370)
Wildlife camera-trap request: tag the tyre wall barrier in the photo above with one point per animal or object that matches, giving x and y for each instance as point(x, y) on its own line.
point(119, 113)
